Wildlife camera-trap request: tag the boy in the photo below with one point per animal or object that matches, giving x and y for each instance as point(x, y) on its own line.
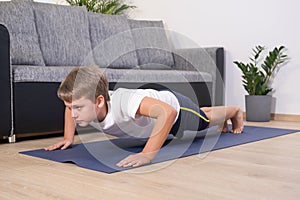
point(143, 113)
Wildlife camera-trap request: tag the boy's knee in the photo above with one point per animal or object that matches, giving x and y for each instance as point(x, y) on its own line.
point(237, 109)
point(206, 109)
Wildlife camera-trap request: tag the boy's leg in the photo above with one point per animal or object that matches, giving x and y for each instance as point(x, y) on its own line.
point(220, 114)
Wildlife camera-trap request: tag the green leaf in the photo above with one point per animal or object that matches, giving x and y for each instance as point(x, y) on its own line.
point(255, 78)
point(112, 7)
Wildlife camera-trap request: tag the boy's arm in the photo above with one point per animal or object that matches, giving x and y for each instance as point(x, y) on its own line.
point(69, 130)
point(69, 125)
point(165, 116)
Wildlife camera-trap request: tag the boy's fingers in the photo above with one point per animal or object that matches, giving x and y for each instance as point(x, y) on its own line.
point(66, 145)
point(50, 148)
point(138, 164)
point(133, 161)
point(121, 163)
point(55, 146)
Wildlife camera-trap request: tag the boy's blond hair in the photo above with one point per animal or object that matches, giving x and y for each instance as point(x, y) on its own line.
point(88, 82)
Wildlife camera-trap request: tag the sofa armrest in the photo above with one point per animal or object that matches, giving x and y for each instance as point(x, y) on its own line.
point(210, 60)
point(5, 83)
point(199, 59)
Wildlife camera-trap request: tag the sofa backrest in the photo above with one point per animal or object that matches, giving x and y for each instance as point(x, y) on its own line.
point(59, 35)
point(112, 41)
point(152, 46)
point(63, 34)
point(18, 17)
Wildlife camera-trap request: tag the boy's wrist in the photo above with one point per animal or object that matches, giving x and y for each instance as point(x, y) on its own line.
point(149, 155)
point(71, 139)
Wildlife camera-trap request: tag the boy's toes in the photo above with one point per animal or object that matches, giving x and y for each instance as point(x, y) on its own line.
point(237, 131)
point(223, 130)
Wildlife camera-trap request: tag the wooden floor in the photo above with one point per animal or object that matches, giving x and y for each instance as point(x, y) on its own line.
point(268, 169)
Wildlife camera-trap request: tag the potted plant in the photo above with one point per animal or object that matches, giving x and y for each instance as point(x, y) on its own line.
point(112, 7)
point(257, 77)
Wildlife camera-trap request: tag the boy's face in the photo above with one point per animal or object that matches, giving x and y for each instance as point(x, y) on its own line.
point(83, 111)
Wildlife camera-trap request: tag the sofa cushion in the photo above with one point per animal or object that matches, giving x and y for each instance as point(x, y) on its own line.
point(151, 43)
point(58, 73)
point(26, 73)
point(64, 34)
point(112, 41)
point(24, 43)
point(155, 76)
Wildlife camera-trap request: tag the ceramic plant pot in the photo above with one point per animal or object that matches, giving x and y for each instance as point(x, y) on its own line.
point(258, 108)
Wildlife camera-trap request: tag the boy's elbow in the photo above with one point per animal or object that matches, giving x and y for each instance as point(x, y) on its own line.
point(172, 113)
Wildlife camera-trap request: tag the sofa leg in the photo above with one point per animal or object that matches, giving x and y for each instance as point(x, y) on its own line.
point(12, 138)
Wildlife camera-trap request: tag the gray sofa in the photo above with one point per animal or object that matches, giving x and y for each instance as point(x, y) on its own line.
point(40, 43)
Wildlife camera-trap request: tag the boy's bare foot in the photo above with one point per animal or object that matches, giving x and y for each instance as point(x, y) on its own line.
point(223, 128)
point(237, 122)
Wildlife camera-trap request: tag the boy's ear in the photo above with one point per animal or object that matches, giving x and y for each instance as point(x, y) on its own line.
point(100, 101)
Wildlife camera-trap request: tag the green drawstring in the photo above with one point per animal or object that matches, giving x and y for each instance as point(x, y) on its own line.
point(194, 112)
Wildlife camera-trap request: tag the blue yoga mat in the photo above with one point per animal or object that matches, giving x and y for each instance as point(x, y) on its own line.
point(103, 155)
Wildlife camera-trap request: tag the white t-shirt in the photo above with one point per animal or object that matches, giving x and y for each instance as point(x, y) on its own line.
point(121, 119)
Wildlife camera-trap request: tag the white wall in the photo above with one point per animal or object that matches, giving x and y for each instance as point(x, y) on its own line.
point(237, 26)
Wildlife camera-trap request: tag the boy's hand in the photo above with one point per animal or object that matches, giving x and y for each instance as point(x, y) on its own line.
point(134, 160)
point(62, 145)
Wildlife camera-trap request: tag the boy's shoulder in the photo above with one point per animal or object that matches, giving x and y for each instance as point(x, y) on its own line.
point(128, 91)
point(131, 96)
point(120, 91)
